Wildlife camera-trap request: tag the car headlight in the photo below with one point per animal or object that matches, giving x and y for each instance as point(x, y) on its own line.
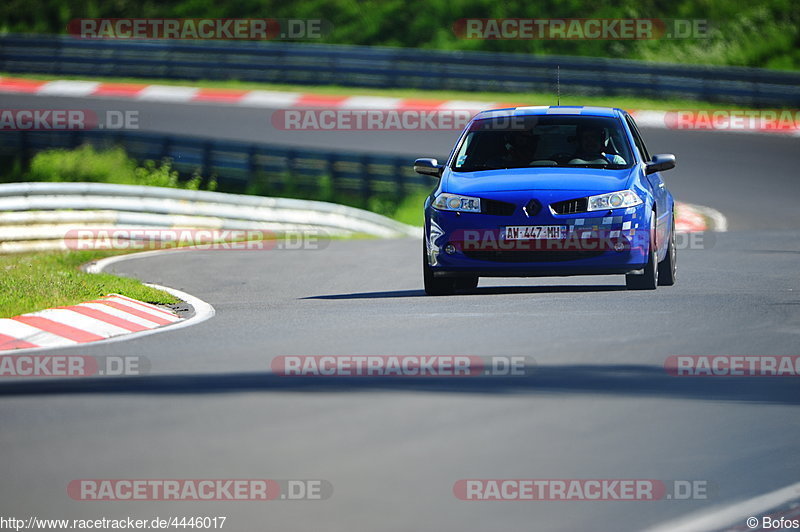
point(457, 203)
point(614, 200)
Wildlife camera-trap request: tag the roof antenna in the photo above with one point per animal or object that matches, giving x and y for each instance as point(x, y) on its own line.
point(558, 84)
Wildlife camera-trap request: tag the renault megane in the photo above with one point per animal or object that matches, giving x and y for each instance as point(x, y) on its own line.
point(549, 191)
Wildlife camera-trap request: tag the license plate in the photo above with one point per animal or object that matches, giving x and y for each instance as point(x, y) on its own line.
point(536, 232)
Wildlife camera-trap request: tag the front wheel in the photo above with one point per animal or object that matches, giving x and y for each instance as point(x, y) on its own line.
point(649, 280)
point(441, 286)
point(668, 268)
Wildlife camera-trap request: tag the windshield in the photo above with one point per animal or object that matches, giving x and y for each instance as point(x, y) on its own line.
point(543, 141)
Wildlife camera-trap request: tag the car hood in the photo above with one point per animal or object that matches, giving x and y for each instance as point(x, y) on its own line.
point(514, 179)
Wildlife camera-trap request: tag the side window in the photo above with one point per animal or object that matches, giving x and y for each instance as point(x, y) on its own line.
point(461, 158)
point(638, 139)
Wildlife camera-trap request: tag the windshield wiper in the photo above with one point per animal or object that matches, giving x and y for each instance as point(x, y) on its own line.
point(591, 165)
point(476, 168)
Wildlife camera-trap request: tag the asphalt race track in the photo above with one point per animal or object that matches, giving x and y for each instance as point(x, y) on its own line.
point(599, 404)
point(750, 178)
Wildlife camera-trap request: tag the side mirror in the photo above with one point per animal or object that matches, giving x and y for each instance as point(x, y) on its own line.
point(428, 167)
point(662, 162)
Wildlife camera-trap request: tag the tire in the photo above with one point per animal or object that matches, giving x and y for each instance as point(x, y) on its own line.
point(435, 286)
point(668, 268)
point(466, 283)
point(648, 281)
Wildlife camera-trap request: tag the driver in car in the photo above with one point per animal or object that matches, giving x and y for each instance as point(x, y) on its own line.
point(519, 150)
point(592, 146)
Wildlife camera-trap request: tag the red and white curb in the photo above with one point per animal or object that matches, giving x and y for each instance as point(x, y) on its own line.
point(691, 218)
point(246, 98)
point(684, 119)
point(111, 318)
point(95, 320)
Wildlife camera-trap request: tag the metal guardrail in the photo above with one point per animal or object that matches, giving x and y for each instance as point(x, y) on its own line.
point(262, 169)
point(363, 66)
point(33, 196)
point(37, 216)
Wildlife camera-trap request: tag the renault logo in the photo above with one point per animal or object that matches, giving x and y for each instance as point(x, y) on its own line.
point(532, 208)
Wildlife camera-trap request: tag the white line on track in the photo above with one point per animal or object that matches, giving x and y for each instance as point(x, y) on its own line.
point(734, 514)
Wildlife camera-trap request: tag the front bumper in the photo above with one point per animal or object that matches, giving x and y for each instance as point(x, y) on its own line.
point(597, 243)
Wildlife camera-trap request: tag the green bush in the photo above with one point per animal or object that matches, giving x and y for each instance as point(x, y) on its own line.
point(82, 164)
point(85, 164)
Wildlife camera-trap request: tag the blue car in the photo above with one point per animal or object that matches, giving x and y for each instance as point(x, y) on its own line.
point(549, 191)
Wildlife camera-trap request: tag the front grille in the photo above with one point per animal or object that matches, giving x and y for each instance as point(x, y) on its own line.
point(497, 208)
point(531, 255)
point(572, 206)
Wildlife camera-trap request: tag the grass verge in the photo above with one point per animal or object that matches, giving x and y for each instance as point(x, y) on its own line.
point(37, 281)
point(517, 98)
point(34, 281)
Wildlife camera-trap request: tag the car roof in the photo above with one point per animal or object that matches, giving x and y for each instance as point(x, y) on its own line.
point(534, 110)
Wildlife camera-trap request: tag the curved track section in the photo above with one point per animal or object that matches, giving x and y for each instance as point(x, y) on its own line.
point(749, 178)
point(599, 404)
